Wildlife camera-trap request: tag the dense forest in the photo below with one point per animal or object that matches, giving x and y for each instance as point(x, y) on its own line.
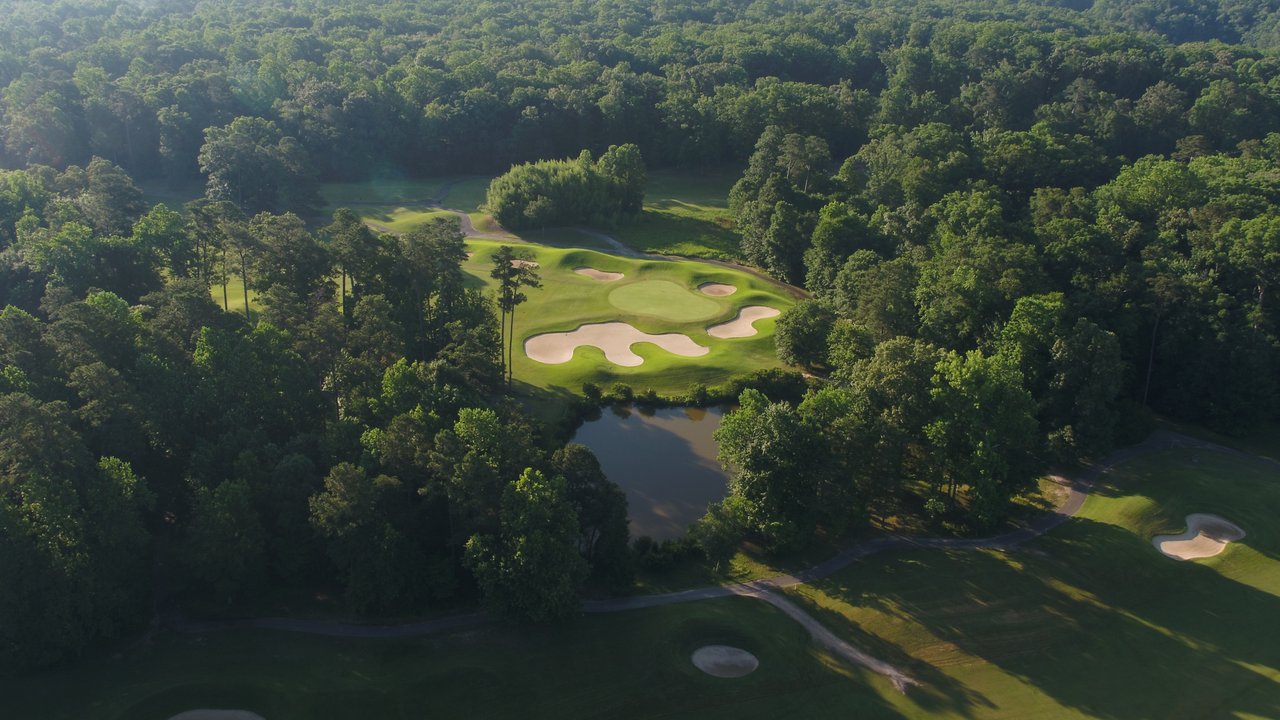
point(349, 90)
point(1024, 227)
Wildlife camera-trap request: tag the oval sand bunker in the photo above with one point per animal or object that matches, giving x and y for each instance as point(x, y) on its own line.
point(216, 715)
point(743, 325)
point(717, 289)
point(601, 275)
point(1206, 536)
point(614, 338)
point(725, 661)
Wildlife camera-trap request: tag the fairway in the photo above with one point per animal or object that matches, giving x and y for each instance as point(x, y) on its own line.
point(685, 214)
point(399, 204)
point(625, 665)
point(1090, 620)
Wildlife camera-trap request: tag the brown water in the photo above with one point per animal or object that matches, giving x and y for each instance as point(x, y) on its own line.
point(665, 461)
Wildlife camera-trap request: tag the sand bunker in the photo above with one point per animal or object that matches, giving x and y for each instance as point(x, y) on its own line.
point(601, 275)
point(717, 289)
point(743, 325)
point(525, 263)
point(216, 715)
point(1206, 536)
point(614, 338)
point(724, 661)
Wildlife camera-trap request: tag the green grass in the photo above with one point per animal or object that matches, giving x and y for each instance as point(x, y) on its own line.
point(399, 219)
point(171, 196)
point(387, 191)
point(685, 214)
point(466, 193)
point(235, 296)
point(1089, 621)
point(627, 665)
point(399, 205)
point(567, 300)
point(663, 299)
point(565, 238)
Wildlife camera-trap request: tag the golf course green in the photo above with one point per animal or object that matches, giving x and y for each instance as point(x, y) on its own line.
point(663, 299)
point(653, 296)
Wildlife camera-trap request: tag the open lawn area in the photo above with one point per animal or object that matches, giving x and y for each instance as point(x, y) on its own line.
point(1090, 620)
point(628, 665)
point(685, 214)
point(654, 297)
point(400, 205)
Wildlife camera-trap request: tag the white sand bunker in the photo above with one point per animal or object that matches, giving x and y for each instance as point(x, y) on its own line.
point(743, 325)
point(216, 715)
point(717, 289)
point(601, 275)
point(525, 263)
point(1206, 536)
point(614, 338)
point(724, 661)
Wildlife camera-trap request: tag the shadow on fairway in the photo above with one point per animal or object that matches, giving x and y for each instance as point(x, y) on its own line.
point(1093, 617)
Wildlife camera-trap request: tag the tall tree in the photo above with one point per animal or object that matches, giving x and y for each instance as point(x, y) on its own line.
point(513, 270)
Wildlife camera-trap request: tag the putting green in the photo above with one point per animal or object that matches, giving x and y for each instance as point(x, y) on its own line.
point(663, 299)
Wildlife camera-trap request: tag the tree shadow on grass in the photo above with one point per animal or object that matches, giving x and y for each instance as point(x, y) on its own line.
point(1095, 619)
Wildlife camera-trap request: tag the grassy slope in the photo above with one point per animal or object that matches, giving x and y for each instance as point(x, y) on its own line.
point(567, 300)
point(633, 664)
point(685, 215)
point(1089, 621)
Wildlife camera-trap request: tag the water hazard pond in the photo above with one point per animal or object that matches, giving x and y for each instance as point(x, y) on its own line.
point(664, 460)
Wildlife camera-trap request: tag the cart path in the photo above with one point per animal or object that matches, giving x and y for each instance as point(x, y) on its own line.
point(765, 589)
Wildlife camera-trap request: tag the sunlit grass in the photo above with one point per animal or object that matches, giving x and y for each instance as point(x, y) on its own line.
point(1091, 620)
point(685, 214)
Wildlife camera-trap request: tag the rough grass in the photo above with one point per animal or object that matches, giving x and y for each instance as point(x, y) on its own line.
point(567, 300)
point(1091, 620)
point(399, 205)
point(627, 665)
point(399, 219)
point(685, 214)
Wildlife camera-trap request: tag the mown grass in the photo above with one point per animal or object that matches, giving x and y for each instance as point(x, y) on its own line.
point(399, 205)
point(1090, 620)
point(626, 665)
point(399, 219)
point(685, 214)
point(234, 298)
point(567, 300)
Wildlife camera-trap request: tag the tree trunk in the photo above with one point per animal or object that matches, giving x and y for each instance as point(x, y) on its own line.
point(502, 339)
point(244, 279)
point(343, 302)
point(511, 341)
point(1151, 359)
point(226, 306)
